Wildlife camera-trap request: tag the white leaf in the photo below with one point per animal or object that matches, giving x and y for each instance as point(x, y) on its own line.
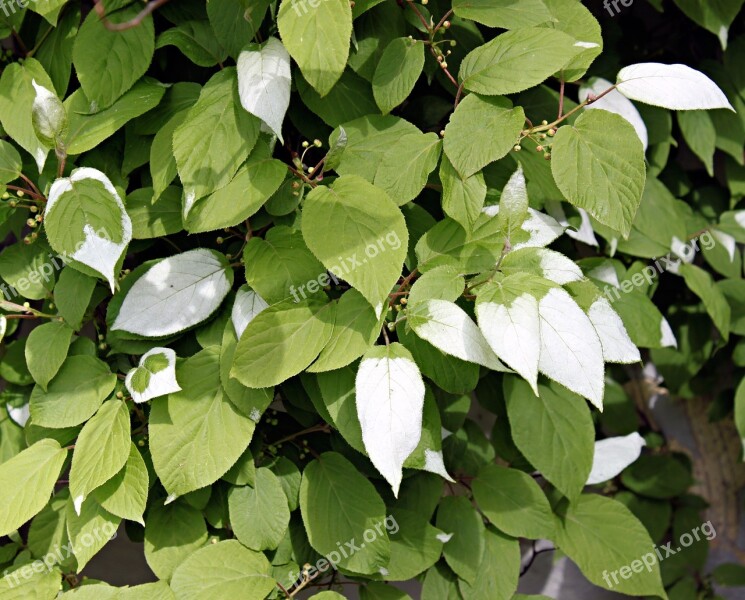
point(729, 242)
point(175, 294)
point(585, 233)
point(19, 414)
point(542, 228)
point(676, 87)
point(617, 346)
point(96, 250)
point(513, 331)
point(434, 463)
point(613, 455)
point(390, 399)
point(155, 378)
point(264, 83)
point(605, 273)
point(667, 337)
point(448, 327)
point(247, 305)
point(571, 353)
point(558, 268)
point(614, 102)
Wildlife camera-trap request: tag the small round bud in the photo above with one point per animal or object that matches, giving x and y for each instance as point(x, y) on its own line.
point(6, 195)
point(391, 326)
point(34, 235)
point(539, 148)
point(27, 240)
point(544, 122)
point(26, 305)
point(295, 185)
point(39, 218)
point(444, 65)
point(306, 144)
point(219, 240)
point(20, 194)
point(31, 222)
point(542, 136)
point(102, 346)
point(442, 133)
point(547, 156)
point(517, 148)
point(449, 52)
point(446, 24)
point(13, 203)
point(351, 4)
point(317, 143)
point(34, 209)
point(311, 170)
point(101, 337)
point(295, 194)
point(453, 43)
point(141, 443)
point(425, 2)
point(397, 308)
point(404, 301)
point(119, 395)
point(551, 132)
point(440, 58)
point(51, 306)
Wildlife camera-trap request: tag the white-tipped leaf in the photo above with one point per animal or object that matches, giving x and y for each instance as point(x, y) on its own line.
point(613, 455)
point(247, 305)
point(676, 87)
point(390, 399)
point(511, 326)
point(264, 83)
point(85, 220)
point(155, 376)
point(448, 328)
point(617, 345)
point(571, 352)
point(175, 294)
point(614, 102)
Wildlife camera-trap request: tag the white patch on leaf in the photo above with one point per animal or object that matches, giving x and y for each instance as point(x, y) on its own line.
point(667, 337)
point(571, 353)
point(615, 340)
point(613, 455)
point(390, 399)
point(729, 242)
point(448, 328)
point(19, 414)
point(160, 383)
point(558, 268)
point(264, 83)
point(247, 305)
point(513, 332)
point(434, 463)
point(542, 228)
point(675, 87)
point(605, 273)
point(176, 293)
point(614, 102)
point(96, 251)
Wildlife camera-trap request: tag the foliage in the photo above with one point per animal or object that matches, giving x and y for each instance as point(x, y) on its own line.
point(284, 252)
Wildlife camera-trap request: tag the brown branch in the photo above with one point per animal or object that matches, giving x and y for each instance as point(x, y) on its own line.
point(134, 22)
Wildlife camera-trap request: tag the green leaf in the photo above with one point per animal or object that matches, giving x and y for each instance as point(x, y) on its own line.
point(505, 14)
point(154, 376)
point(88, 126)
point(223, 570)
point(399, 68)
point(415, 545)
point(10, 163)
point(701, 283)
point(370, 241)
point(480, 131)
point(123, 55)
point(339, 505)
point(86, 221)
point(516, 60)
point(217, 120)
point(75, 393)
point(187, 425)
point(462, 199)
point(72, 295)
point(90, 531)
point(282, 341)
point(55, 52)
point(657, 476)
point(355, 330)
point(46, 350)
point(554, 431)
point(513, 204)
point(259, 514)
point(155, 215)
point(404, 170)
point(714, 16)
point(499, 569)
point(236, 22)
point(196, 40)
point(317, 36)
point(350, 98)
point(513, 502)
point(605, 179)
point(600, 535)
point(172, 533)
point(740, 410)
point(699, 133)
point(15, 105)
point(40, 586)
point(280, 266)
point(125, 494)
point(101, 450)
point(457, 517)
point(28, 270)
point(27, 480)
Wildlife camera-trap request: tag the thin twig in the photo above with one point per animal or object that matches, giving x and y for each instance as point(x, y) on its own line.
point(427, 26)
point(561, 99)
point(445, 18)
point(19, 41)
point(134, 22)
